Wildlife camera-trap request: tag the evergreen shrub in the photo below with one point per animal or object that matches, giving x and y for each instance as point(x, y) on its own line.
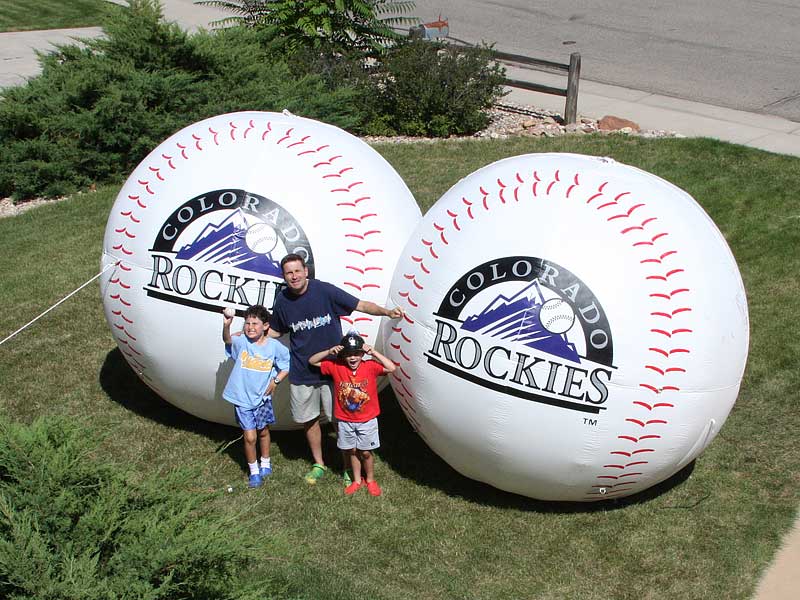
point(435, 89)
point(97, 110)
point(73, 525)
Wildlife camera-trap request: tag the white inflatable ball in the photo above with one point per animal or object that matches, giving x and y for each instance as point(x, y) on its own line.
point(576, 329)
point(203, 222)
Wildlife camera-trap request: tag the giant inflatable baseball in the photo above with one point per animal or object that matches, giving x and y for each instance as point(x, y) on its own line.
point(576, 329)
point(203, 222)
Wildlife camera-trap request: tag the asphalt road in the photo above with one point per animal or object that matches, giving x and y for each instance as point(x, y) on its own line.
point(742, 54)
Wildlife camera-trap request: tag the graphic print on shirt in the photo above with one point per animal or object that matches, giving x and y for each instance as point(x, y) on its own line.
point(352, 395)
point(312, 323)
point(252, 362)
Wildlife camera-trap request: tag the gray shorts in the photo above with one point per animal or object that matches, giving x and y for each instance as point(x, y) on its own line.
point(362, 436)
point(309, 401)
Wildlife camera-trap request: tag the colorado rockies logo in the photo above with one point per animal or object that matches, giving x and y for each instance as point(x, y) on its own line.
point(225, 246)
point(529, 328)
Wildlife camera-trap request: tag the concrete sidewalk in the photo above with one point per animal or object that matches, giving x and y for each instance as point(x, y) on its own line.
point(651, 111)
point(654, 111)
point(782, 579)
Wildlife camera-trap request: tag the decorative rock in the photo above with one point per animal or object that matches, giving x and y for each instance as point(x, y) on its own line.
point(612, 123)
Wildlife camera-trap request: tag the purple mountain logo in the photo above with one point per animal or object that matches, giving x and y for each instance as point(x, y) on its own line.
point(224, 243)
point(516, 319)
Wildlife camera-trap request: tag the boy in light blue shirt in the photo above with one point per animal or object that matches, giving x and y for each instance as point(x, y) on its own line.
point(261, 364)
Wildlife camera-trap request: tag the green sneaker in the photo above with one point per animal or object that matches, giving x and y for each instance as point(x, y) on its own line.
point(347, 477)
point(316, 472)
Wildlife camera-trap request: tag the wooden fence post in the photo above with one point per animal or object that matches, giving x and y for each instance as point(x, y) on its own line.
point(573, 76)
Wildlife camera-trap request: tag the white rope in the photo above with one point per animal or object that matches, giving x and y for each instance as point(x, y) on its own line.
point(67, 297)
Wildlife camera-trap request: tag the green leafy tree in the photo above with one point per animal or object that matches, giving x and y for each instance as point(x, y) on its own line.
point(362, 27)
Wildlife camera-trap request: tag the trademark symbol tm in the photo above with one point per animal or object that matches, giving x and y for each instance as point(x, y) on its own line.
point(592, 422)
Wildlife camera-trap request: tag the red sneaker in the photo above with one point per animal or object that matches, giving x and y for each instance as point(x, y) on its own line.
point(352, 488)
point(373, 488)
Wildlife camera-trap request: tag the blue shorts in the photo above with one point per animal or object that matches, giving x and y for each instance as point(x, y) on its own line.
point(255, 418)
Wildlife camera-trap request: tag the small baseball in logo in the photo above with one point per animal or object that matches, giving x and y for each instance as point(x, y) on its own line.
point(557, 316)
point(261, 238)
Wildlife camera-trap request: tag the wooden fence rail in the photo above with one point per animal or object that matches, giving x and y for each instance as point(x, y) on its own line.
point(573, 71)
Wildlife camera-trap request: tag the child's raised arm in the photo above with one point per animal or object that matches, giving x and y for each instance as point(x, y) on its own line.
point(226, 330)
point(315, 359)
point(388, 365)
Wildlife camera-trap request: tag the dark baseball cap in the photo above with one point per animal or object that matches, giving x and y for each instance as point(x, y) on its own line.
point(352, 343)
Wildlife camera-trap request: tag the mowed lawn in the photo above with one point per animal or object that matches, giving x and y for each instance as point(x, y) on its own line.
point(27, 15)
point(707, 533)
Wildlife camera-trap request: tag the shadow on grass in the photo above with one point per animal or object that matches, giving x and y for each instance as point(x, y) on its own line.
point(401, 448)
point(410, 457)
point(126, 389)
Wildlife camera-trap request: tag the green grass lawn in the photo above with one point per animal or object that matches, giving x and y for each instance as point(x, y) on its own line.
point(27, 15)
point(707, 533)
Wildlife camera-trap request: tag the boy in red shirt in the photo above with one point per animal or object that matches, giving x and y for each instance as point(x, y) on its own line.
point(355, 403)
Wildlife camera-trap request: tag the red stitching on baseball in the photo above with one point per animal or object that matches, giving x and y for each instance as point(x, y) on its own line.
point(286, 136)
point(299, 142)
point(121, 247)
point(589, 201)
point(626, 214)
point(146, 185)
point(126, 232)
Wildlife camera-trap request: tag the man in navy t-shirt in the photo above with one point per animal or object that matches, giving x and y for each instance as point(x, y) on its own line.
point(309, 311)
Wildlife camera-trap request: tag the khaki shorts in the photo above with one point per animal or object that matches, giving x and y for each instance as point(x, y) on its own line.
point(309, 401)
